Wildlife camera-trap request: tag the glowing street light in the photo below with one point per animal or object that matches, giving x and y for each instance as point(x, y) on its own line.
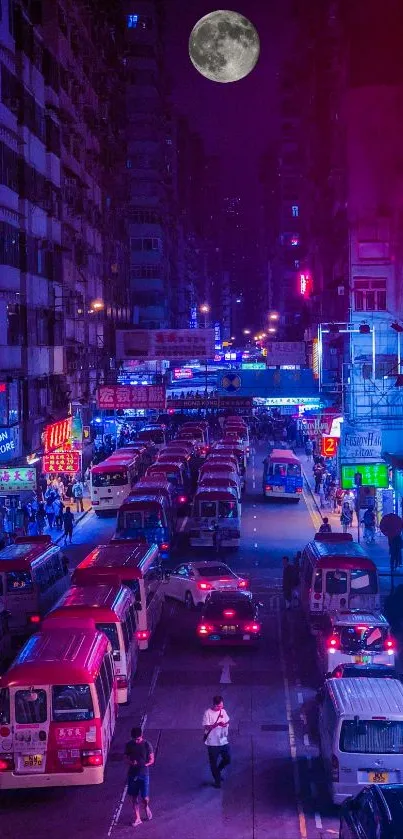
point(246, 332)
point(232, 338)
point(272, 329)
point(204, 308)
point(274, 316)
point(97, 305)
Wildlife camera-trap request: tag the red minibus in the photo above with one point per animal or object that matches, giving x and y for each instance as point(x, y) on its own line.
point(133, 564)
point(173, 471)
point(112, 480)
point(33, 575)
point(112, 610)
point(57, 710)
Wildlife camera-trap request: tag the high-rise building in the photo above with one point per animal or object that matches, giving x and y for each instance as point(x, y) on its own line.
point(57, 227)
point(148, 168)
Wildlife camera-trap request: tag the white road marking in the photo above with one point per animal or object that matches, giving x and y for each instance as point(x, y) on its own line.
point(226, 664)
point(183, 525)
point(300, 698)
point(318, 821)
point(116, 815)
point(255, 517)
point(291, 736)
point(154, 680)
point(255, 544)
point(254, 529)
point(306, 740)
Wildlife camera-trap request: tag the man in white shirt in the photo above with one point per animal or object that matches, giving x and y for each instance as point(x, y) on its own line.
point(215, 724)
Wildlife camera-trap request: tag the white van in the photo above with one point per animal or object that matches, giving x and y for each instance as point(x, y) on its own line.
point(354, 638)
point(361, 734)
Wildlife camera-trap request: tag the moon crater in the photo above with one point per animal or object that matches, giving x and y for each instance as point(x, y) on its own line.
point(224, 46)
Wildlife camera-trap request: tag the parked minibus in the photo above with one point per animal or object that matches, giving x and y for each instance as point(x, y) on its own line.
point(354, 638)
point(226, 448)
point(133, 564)
point(146, 454)
point(215, 509)
point(155, 434)
point(5, 637)
point(361, 734)
point(112, 480)
point(238, 431)
point(112, 610)
point(175, 473)
point(282, 475)
point(148, 517)
point(217, 479)
point(220, 467)
point(33, 575)
point(336, 575)
point(156, 485)
point(200, 431)
point(57, 711)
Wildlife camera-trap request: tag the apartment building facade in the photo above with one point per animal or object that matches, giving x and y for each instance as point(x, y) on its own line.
point(56, 313)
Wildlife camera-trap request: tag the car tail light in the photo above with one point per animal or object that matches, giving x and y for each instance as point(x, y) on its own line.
point(204, 628)
point(6, 763)
point(316, 596)
point(390, 646)
point(243, 584)
point(299, 489)
point(338, 673)
point(335, 768)
point(92, 758)
point(182, 499)
point(121, 682)
point(333, 644)
point(268, 488)
point(204, 586)
point(229, 613)
point(252, 627)
point(34, 619)
point(5, 731)
point(143, 634)
point(164, 546)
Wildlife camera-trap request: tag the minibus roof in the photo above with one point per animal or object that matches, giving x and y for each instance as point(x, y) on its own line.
point(21, 555)
point(151, 484)
point(112, 466)
point(147, 500)
point(167, 461)
point(366, 698)
point(218, 476)
point(62, 656)
point(130, 558)
point(348, 553)
point(358, 619)
point(107, 601)
point(283, 456)
point(215, 494)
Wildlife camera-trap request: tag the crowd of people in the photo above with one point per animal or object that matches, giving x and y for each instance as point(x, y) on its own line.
point(49, 508)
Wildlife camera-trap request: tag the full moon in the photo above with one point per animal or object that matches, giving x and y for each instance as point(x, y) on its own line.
point(224, 46)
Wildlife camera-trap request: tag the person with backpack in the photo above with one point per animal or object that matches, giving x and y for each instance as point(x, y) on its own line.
point(325, 526)
point(78, 493)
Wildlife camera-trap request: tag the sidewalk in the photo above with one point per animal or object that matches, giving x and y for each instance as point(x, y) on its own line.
point(56, 535)
point(378, 552)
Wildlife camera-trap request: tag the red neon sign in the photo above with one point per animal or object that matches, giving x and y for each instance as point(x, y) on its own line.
point(328, 446)
point(56, 435)
point(67, 462)
point(305, 284)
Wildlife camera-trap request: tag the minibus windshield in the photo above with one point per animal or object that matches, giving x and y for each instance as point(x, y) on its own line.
point(30, 706)
point(111, 632)
point(109, 479)
point(72, 703)
point(355, 638)
point(227, 510)
point(363, 582)
point(379, 737)
point(19, 581)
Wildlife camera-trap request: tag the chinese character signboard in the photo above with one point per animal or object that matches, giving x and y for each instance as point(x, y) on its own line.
point(281, 353)
point(328, 446)
point(62, 462)
point(360, 444)
point(243, 402)
point(10, 443)
point(17, 479)
point(57, 434)
point(119, 397)
point(167, 344)
point(373, 474)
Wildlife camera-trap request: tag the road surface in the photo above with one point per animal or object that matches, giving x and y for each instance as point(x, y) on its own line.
point(274, 786)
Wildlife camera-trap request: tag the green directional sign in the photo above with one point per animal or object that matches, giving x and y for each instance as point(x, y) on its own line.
point(373, 474)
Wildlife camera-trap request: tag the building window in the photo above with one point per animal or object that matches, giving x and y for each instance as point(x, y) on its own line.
point(295, 210)
point(141, 216)
point(139, 22)
point(369, 295)
point(145, 244)
point(146, 272)
point(132, 21)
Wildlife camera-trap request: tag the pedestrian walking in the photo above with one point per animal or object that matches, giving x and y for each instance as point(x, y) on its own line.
point(50, 513)
point(395, 551)
point(296, 568)
point(338, 499)
point(215, 725)
point(140, 755)
point(317, 473)
point(369, 523)
point(58, 508)
point(325, 526)
point(41, 517)
point(78, 492)
point(346, 518)
point(322, 496)
point(308, 449)
point(68, 524)
point(288, 581)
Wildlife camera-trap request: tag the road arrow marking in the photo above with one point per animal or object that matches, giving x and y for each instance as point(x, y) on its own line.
point(226, 663)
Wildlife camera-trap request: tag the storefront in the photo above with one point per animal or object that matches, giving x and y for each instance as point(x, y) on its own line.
point(62, 446)
point(395, 462)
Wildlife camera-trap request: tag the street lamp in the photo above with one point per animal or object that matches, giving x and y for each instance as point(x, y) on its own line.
point(274, 315)
point(97, 305)
point(246, 332)
point(272, 329)
point(205, 309)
